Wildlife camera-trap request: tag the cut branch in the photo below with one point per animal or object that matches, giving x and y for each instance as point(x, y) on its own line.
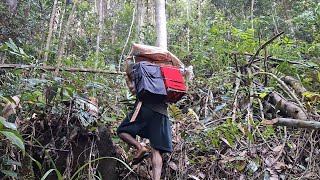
point(263, 46)
point(277, 60)
point(288, 122)
point(52, 68)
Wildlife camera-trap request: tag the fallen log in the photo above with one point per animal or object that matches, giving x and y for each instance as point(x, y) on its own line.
point(295, 84)
point(286, 108)
point(52, 68)
point(297, 123)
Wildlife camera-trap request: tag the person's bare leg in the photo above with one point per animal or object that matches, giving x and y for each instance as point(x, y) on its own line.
point(156, 164)
point(132, 141)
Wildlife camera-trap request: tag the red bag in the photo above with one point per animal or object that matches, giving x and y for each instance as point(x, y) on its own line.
point(174, 83)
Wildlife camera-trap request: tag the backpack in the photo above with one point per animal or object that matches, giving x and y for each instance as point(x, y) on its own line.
point(148, 82)
point(156, 75)
point(158, 62)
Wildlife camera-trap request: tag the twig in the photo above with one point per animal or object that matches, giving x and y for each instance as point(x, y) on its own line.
point(265, 65)
point(249, 110)
point(235, 102)
point(263, 46)
point(217, 120)
point(62, 150)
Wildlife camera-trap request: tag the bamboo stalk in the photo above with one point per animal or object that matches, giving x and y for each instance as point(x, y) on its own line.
point(53, 68)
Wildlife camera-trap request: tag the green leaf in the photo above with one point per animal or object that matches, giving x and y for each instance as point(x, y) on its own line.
point(263, 95)
point(14, 140)
point(47, 174)
point(9, 162)
point(7, 124)
point(74, 175)
point(37, 162)
point(49, 171)
point(250, 137)
point(108, 119)
point(9, 173)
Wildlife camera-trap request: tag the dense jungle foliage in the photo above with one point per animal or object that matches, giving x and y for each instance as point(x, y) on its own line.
point(256, 66)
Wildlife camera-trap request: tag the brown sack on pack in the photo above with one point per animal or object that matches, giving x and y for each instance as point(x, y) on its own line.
point(153, 54)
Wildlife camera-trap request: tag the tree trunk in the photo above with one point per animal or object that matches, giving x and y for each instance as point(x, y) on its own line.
point(140, 14)
point(61, 22)
point(53, 13)
point(252, 5)
point(64, 36)
point(188, 28)
point(100, 16)
point(199, 10)
point(161, 29)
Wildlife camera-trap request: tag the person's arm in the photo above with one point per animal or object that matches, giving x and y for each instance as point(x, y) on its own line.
point(131, 85)
point(129, 78)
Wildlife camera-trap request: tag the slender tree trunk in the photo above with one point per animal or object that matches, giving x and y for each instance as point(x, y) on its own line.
point(53, 13)
point(188, 28)
point(161, 29)
point(252, 4)
point(141, 11)
point(100, 30)
point(199, 10)
point(64, 36)
point(61, 22)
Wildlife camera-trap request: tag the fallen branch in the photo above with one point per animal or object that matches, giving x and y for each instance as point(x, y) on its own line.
point(277, 60)
point(52, 68)
point(286, 108)
point(235, 102)
point(288, 122)
point(286, 88)
point(295, 84)
point(263, 46)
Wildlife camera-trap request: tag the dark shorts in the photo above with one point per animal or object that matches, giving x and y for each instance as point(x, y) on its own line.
point(151, 125)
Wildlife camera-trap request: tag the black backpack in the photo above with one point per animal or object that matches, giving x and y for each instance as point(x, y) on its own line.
point(149, 82)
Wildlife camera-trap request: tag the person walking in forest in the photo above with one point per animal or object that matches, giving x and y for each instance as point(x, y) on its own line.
point(152, 122)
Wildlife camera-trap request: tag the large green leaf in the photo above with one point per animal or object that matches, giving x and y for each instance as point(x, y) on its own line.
point(14, 139)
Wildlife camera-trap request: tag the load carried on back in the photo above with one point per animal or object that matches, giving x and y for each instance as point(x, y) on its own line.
point(154, 74)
